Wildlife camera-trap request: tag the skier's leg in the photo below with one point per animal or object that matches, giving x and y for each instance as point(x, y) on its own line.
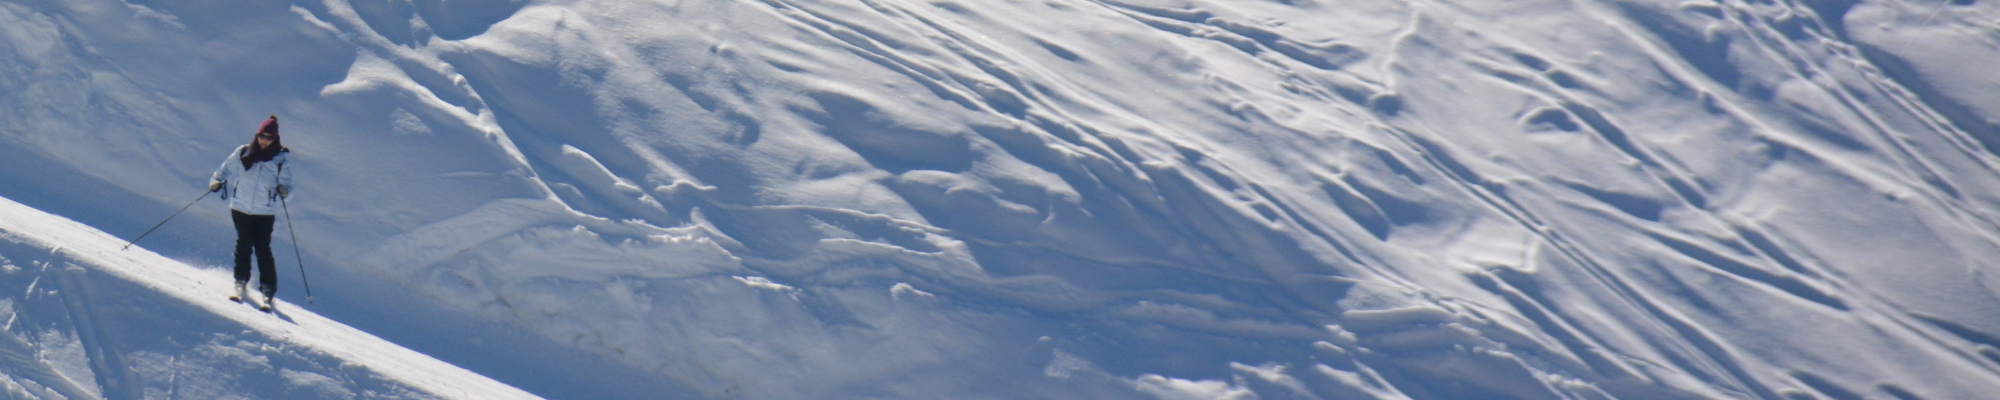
point(245, 239)
point(267, 264)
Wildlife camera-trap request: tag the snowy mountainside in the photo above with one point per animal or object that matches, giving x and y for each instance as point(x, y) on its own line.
point(90, 319)
point(1077, 198)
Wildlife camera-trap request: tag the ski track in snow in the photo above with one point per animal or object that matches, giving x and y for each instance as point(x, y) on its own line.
point(1087, 198)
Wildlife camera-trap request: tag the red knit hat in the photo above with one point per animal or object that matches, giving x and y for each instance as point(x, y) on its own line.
point(270, 126)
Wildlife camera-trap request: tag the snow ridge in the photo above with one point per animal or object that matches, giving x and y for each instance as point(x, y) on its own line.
point(150, 327)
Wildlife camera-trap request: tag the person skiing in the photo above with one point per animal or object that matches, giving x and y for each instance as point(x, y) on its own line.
point(253, 180)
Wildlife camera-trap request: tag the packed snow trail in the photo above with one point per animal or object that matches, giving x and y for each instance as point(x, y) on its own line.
point(92, 321)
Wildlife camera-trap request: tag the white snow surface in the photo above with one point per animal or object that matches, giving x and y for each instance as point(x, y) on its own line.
point(88, 318)
point(1104, 199)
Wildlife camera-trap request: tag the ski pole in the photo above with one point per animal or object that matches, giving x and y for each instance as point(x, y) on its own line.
point(128, 245)
point(295, 249)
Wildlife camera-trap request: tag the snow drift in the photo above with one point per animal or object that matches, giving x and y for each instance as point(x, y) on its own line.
point(1078, 199)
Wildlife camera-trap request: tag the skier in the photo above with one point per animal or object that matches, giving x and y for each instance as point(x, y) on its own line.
point(253, 179)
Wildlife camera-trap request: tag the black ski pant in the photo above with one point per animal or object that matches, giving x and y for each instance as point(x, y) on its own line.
point(253, 235)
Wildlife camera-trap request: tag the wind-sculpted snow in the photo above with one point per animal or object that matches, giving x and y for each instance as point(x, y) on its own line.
point(1080, 199)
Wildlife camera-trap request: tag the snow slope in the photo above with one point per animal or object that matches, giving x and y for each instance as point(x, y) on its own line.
point(88, 319)
point(1077, 198)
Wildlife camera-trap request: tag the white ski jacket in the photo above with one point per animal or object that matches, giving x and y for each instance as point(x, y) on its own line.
point(255, 190)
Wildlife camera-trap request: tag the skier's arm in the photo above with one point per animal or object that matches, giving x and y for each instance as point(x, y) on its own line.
point(284, 176)
point(223, 173)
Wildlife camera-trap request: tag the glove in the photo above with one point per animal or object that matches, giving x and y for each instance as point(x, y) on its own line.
point(284, 191)
point(214, 186)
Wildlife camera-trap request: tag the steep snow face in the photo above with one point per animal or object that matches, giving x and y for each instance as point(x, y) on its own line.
point(1083, 199)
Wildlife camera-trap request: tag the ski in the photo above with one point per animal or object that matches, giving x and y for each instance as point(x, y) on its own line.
point(252, 303)
point(263, 306)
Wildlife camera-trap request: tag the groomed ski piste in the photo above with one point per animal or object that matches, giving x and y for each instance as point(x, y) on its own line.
point(1017, 199)
point(87, 319)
